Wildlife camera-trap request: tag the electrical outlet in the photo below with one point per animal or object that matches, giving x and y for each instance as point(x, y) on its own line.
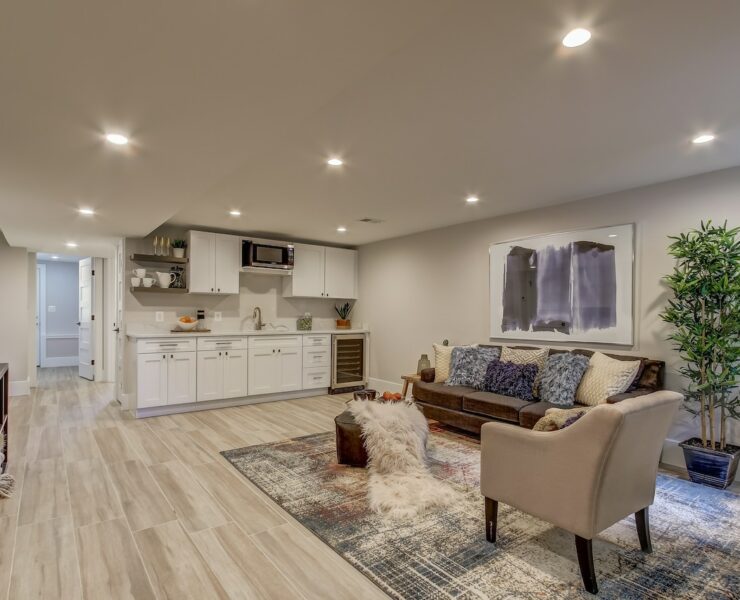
point(159, 316)
point(217, 316)
point(52, 308)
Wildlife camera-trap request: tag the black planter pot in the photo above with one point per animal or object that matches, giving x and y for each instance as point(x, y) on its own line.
point(710, 467)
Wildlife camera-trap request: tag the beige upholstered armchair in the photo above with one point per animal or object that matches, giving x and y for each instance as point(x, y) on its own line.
point(583, 478)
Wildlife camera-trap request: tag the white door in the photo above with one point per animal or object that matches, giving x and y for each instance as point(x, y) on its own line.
point(210, 379)
point(234, 373)
point(291, 369)
point(264, 371)
point(118, 321)
point(151, 380)
point(340, 274)
point(227, 263)
point(308, 271)
point(40, 314)
point(202, 257)
point(181, 378)
point(86, 320)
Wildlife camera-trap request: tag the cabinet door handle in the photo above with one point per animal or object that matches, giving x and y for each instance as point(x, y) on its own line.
point(211, 289)
point(226, 353)
point(278, 349)
point(273, 350)
point(172, 356)
point(219, 289)
point(164, 356)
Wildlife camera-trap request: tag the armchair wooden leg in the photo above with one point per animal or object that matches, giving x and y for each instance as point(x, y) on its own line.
point(491, 519)
point(586, 562)
point(642, 521)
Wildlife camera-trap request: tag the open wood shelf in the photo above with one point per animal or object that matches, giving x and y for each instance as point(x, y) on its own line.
point(158, 290)
point(153, 258)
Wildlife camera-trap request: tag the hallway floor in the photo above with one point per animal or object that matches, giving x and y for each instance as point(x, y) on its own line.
point(107, 506)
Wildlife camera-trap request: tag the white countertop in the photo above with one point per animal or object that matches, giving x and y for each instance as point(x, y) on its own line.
point(150, 333)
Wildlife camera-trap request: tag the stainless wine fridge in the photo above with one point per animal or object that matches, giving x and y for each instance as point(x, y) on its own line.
point(348, 361)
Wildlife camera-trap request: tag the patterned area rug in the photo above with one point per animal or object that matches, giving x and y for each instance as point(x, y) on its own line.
point(444, 554)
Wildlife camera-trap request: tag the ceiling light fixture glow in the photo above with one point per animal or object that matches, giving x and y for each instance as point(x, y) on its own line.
point(703, 138)
point(71, 244)
point(235, 213)
point(576, 37)
point(335, 162)
point(612, 235)
point(118, 139)
point(86, 211)
point(54, 257)
point(341, 229)
point(471, 199)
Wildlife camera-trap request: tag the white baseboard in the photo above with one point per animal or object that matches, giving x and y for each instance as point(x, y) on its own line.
point(20, 388)
point(60, 361)
point(381, 385)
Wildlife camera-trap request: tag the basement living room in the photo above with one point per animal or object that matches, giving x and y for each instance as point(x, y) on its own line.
point(349, 300)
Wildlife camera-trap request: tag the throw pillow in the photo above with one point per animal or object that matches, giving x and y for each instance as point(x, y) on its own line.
point(559, 418)
point(468, 365)
point(560, 378)
point(510, 379)
point(534, 356)
point(605, 377)
point(442, 355)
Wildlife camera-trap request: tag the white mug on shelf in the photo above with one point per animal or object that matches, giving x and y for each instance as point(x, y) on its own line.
point(136, 281)
point(140, 273)
point(165, 279)
point(148, 281)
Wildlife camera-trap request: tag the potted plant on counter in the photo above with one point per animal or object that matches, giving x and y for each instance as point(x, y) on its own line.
point(343, 322)
point(705, 312)
point(178, 248)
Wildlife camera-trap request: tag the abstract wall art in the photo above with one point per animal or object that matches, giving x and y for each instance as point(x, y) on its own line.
point(568, 287)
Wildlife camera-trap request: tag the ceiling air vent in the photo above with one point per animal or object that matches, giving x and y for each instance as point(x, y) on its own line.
point(370, 220)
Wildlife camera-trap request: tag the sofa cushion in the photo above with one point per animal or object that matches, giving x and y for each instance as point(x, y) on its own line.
point(530, 414)
point(556, 419)
point(511, 379)
point(468, 365)
point(493, 405)
point(605, 377)
point(560, 379)
point(439, 394)
point(521, 356)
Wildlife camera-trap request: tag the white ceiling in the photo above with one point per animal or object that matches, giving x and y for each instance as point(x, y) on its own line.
point(237, 104)
point(47, 257)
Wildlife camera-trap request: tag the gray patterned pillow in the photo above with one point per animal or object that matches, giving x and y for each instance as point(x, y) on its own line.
point(560, 378)
point(468, 365)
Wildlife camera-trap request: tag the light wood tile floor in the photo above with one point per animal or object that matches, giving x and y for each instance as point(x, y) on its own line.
point(108, 506)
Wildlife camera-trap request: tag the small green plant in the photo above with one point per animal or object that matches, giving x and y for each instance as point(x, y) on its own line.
point(705, 312)
point(179, 244)
point(344, 310)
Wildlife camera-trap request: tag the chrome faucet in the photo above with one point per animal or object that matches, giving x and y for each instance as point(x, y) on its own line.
point(257, 316)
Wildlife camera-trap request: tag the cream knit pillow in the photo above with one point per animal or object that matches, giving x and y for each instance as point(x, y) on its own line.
point(442, 356)
point(605, 377)
point(536, 356)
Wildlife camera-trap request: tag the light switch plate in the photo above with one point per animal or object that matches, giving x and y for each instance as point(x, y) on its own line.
point(52, 308)
point(159, 316)
point(217, 316)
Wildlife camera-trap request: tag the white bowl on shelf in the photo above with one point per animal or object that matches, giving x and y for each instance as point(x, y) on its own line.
point(186, 326)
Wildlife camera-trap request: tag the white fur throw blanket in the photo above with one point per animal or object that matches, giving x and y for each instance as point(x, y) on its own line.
point(400, 486)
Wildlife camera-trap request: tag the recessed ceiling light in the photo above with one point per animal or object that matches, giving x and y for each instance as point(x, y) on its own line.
point(471, 199)
point(86, 211)
point(703, 138)
point(612, 235)
point(235, 213)
point(335, 162)
point(341, 229)
point(71, 244)
point(576, 37)
point(117, 139)
point(54, 257)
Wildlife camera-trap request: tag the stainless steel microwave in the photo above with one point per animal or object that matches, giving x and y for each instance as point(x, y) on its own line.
point(267, 254)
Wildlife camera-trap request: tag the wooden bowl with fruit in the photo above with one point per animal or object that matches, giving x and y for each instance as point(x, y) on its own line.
point(186, 323)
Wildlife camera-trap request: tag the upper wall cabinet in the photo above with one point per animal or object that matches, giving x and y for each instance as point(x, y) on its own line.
point(214, 263)
point(321, 272)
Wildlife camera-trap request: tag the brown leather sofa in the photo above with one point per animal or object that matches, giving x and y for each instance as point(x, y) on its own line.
point(467, 408)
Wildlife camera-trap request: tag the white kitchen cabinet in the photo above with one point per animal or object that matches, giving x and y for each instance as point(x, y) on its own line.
point(322, 272)
point(210, 376)
point(214, 263)
point(181, 379)
point(235, 365)
point(275, 365)
point(165, 378)
point(340, 273)
point(151, 380)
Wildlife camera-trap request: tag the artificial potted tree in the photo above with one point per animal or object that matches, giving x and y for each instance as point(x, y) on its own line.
point(344, 310)
point(705, 312)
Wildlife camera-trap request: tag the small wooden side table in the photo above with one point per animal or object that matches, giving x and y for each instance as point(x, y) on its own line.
point(408, 379)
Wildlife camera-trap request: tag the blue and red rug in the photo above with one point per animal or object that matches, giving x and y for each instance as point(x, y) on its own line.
point(443, 554)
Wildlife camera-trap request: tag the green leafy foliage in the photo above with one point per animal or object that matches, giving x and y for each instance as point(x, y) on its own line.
point(344, 310)
point(705, 311)
point(179, 243)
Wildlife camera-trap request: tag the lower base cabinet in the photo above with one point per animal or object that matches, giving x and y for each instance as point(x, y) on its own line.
point(222, 374)
point(275, 370)
point(166, 378)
